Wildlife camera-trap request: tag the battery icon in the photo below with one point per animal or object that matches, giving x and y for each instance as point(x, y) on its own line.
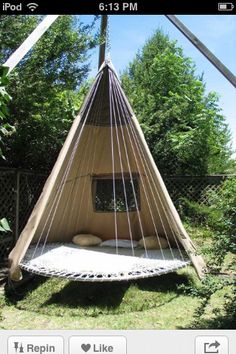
point(225, 6)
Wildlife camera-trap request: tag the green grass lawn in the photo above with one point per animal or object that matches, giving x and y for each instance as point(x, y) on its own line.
point(165, 302)
point(171, 301)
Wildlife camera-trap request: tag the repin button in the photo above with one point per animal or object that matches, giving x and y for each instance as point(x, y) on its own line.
point(35, 344)
point(98, 345)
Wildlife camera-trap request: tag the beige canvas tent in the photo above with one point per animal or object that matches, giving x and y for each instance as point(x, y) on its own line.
point(105, 183)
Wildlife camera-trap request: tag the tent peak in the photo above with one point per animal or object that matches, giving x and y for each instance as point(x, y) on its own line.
point(107, 100)
point(107, 64)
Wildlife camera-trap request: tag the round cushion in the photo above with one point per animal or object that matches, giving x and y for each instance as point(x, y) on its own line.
point(153, 243)
point(86, 240)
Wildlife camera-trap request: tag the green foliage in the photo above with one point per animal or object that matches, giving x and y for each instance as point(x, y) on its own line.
point(5, 128)
point(220, 217)
point(208, 286)
point(46, 86)
point(4, 226)
point(183, 125)
point(198, 214)
point(225, 224)
point(218, 302)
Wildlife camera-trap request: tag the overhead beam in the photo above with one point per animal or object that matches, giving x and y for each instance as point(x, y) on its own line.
point(32, 39)
point(103, 36)
point(203, 49)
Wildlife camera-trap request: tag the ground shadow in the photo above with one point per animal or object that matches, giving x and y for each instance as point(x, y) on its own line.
point(91, 297)
point(15, 292)
point(163, 283)
point(109, 295)
point(102, 295)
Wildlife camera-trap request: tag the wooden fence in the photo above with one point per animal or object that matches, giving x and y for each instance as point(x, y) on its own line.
point(19, 191)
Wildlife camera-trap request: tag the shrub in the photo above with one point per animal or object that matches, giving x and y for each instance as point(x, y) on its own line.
point(224, 203)
point(219, 216)
point(196, 213)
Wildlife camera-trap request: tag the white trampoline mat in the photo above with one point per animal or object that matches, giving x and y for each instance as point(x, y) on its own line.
point(100, 263)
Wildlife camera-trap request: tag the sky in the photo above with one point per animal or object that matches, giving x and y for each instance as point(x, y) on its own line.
point(128, 34)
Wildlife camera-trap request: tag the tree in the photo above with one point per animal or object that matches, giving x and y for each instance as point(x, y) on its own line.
point(45, 86)
point(183, 125)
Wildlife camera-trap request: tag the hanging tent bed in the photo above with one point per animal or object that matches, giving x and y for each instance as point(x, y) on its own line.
point(104, 183)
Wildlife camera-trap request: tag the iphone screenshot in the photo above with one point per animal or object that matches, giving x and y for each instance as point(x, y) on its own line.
point(117, 177)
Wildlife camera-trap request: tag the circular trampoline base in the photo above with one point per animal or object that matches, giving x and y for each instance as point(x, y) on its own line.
point(100, 263)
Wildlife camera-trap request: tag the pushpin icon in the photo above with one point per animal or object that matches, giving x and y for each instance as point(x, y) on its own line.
point(16, 346)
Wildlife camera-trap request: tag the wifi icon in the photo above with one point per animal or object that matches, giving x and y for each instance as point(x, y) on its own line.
point(32, 6)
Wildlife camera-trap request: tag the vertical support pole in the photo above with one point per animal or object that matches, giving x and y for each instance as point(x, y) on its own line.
point(103, 35)
point(17, 205)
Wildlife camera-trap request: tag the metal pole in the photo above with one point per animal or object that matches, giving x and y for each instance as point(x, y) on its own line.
point(30, 41)
point(203, 49)
point(103, 34)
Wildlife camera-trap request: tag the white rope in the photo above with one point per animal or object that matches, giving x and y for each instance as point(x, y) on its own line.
point(144, 160)
point(113, 170)
point(70, 202)
point(91, 157)
point(140, 174)
point(70, 163)
point(121, 164)
point(150, 186)
point(76, 181)
point(132, 182)
point(62, 184)
point(141, 178)
point(167, 216)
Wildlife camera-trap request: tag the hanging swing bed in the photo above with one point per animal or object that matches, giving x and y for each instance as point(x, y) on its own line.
point(104, 183)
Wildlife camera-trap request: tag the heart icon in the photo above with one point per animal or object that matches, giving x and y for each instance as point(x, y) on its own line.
point(85, 347)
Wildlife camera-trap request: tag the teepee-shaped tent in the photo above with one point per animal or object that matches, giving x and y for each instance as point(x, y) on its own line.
point(105, 182)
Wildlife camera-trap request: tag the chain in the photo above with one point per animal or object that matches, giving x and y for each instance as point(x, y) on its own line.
point(108, 42)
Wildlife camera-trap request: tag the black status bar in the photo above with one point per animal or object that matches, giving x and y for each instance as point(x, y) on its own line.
point(138, 7)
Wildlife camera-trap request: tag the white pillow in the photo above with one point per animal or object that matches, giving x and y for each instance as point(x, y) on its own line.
point(119, 243)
